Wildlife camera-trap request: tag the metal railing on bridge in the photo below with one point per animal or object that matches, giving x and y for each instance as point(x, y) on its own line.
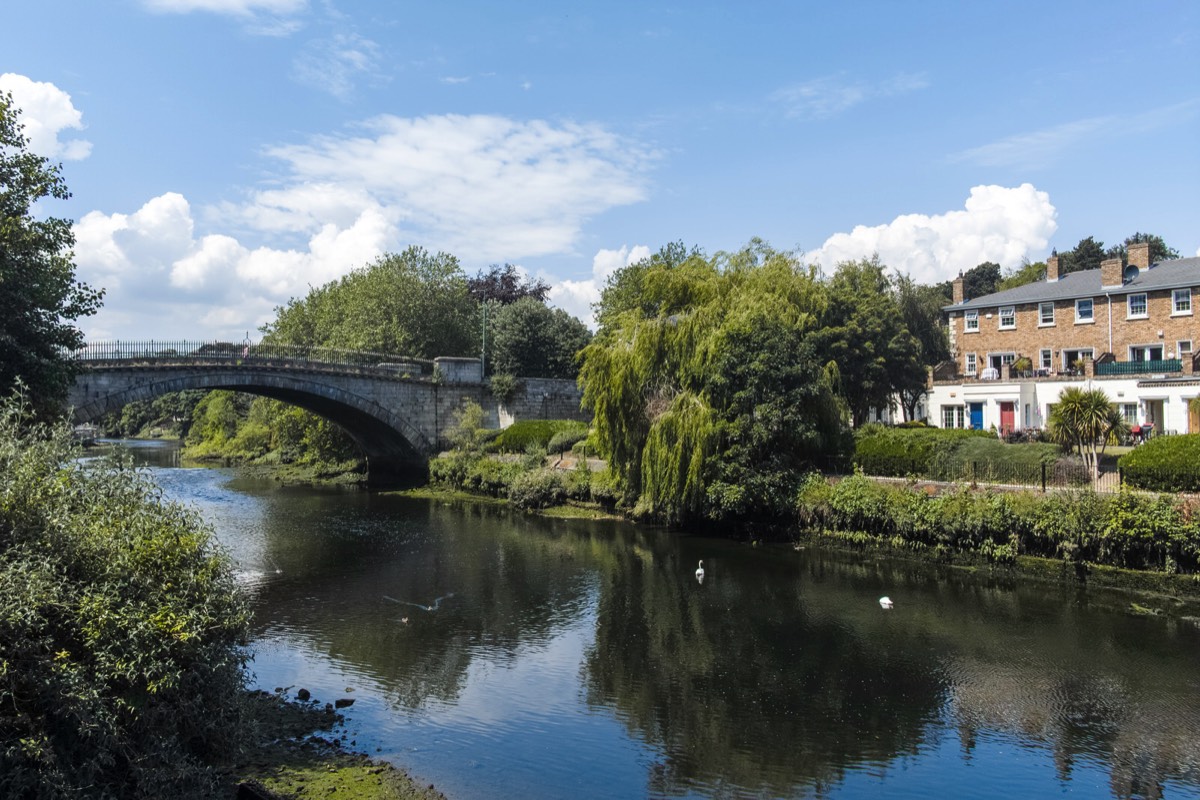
point(250, 354)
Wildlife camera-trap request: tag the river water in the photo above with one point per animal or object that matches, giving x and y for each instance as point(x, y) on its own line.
point(500, 655)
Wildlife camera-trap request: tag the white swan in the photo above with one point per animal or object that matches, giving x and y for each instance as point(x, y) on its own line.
point(700, 572)
point(886, 602)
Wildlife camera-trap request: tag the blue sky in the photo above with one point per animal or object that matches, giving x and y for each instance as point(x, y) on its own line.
point(224, 155)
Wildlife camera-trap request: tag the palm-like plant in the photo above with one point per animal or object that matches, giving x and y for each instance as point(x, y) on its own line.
point(1083, 419)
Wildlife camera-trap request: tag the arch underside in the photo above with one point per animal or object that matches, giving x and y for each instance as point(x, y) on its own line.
point(389, 442)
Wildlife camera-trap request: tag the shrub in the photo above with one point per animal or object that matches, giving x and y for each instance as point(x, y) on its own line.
point(517, 437)
point(504, 386)
point(567, 438)
point(120, 626)
point(1164, 464)
point(538, 488)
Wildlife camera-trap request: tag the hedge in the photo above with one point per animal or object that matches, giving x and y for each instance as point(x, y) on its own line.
point(1164, 464)
point(1128, 529)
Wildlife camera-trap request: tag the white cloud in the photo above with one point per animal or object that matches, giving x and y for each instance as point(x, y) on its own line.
point(261, 17)
point(46, 111)
point(997, 224)
point(487, 189)
point(482, 187)
point(1037, 149)
point(236, 8)
point(1040, 148)
point(822, 98)
point(333, 65)
point(163, 282)
point(577, 297)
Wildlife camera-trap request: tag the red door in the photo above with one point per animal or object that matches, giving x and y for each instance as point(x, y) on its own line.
point(1007, 410)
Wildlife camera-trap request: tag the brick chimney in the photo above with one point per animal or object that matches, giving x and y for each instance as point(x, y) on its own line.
point(956, 291)
point(1139, 255)
point(1052, 268)
point(1111, 272)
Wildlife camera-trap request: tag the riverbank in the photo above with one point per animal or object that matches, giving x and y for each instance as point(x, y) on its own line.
point(299, 753)
point(1132, 591)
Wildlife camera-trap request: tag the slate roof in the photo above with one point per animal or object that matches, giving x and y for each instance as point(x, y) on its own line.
point(1176, 274)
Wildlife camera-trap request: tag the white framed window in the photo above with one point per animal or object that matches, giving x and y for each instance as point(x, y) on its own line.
point(1129, 413)
point(1149, 352)
point(1136, 306)
point(1072, 360)
point(1183, 348)
point(1181, 301)
point(1046, 358)
point(972, 363)
point(1084, 311)
point(952, 416)
point(1045, 314)
point(970, 320)
point(1008, 318)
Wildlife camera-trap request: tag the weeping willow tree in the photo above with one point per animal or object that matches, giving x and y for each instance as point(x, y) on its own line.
point(709, 394)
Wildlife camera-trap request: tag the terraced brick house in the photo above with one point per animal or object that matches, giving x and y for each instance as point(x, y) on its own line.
point(1130, 329)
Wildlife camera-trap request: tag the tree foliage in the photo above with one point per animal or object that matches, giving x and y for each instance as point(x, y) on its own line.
point(505, 285)
point(1028, 272)
point(533, 341)
point(1159, 250)
point(1086, 255)
point(708, 390)
point(39, 296)
point(864, 332)
point(411, 303)
point(121, 672)
point(1083, 419)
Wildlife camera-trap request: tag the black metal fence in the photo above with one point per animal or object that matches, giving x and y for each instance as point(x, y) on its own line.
point(250, 354)
point(1063, 473)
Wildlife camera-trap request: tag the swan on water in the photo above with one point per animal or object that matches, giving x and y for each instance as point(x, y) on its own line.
point(700, 572)
point(886, 602)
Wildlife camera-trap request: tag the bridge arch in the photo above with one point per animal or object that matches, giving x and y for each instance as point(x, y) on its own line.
point(393, 444)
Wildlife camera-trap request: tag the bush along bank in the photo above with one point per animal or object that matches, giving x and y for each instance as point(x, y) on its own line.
point(1128, 530)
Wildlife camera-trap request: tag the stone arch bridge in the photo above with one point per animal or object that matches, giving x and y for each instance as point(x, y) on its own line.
point(395, 409)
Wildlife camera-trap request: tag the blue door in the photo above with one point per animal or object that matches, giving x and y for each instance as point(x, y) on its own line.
point(976, 416)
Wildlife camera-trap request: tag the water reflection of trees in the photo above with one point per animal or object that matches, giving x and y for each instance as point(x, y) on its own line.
point(776, 676)
point(1055, 666)
point(741, 685)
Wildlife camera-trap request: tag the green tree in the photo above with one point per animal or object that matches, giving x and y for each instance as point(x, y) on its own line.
point(1086, 255)
point(864, 333)
point(39, 296)
point(1159, 250)
point(623, 291)
point(706, 383)
point(122, 671)
point(1027, 273)
point(921, 311)
point(1082, 419)
point(533, 341)
point(411, 303)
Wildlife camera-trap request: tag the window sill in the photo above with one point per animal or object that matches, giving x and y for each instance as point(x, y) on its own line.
point(1085, 322)
point(1046, 325)
point(971, 330)
point(1136, 316)
point(1181, 313)
point(1007, 328)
